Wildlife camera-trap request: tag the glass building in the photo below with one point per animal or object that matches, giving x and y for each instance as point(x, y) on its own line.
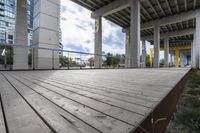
point(30, 20)
point(7, 21)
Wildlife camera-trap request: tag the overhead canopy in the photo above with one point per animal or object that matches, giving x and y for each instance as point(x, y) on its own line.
point(118, 12)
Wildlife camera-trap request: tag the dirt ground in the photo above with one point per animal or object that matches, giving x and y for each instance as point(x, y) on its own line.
point(186, 119)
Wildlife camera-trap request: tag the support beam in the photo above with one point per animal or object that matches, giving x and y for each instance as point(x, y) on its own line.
point(118, 5)
point(143, 54)
point(182, 58)
point(177, 57)
point(166, 52)
point(135, 34)
point(113, 7)
point(197, 40)
point(172, 19)
point(167, 3)
point(156, 45)
point(196, 45)
point(20, 60)
point(187, 47)
point(194, 53)
point(151, 57)
point(98, 43)
point(159, 5)
point(46, 20)
point(127, 45)
point(171, 60)
point(185, 4)
point(172, 34)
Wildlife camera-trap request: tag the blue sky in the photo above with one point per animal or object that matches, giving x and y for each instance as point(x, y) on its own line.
point(78, 31)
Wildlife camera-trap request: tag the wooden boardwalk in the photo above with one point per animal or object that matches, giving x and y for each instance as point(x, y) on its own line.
point(90, 101)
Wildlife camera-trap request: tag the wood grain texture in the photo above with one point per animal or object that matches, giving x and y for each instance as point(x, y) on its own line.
point(90, 101)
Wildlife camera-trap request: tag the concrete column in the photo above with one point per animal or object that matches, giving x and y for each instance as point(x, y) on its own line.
point(193, 52)
point(46, 23)
point(151, 57)
point(177, 57)
point(143, 54)
point(182, 59)
point(135, 34)
point(197, 38)
point(98, 43)
point(166, 52)
point(20, 60)
point(156, 45)
point(127, 45)
point(192, 57)
point(171, 60)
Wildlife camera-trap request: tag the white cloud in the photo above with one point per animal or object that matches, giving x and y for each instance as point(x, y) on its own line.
point(77, 26)
point(78, 30)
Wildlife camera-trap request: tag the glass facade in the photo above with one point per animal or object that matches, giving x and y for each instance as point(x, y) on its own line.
point(7, 20)
point(30, 20)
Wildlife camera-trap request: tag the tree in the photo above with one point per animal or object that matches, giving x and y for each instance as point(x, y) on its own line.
point(63, 60)
point(148, 60)
point(91, 62)
point(108, 61)
point(116, 60)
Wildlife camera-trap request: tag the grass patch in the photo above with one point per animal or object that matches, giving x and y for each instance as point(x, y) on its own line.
point(194, 80)
point(187, 117)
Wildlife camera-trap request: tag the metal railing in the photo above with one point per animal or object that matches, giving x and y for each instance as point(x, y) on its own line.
point(53, 58)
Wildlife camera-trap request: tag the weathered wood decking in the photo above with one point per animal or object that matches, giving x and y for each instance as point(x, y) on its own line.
point(90, 101)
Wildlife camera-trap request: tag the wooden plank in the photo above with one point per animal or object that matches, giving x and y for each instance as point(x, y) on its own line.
point(60, 121)
point(120, 113)
point(99, 120)
point(131, 99)
point(134, 90)
point(19, 116)
point(118, 89)
point(128, 99)
point(75, 101)
point(2, 123)
point(83, 90)
point(134, 77)
point(113, 102)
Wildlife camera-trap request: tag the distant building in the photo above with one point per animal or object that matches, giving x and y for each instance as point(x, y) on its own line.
point(7, 22)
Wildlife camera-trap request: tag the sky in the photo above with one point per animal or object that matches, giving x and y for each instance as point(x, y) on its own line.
point(77, 28)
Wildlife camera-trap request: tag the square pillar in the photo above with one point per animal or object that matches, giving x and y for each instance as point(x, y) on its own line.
point(193, 52)
point(127, 51)
point(197, 41)
point(156, 45)
point(135, 34)
point(171, 60)
point(98, 43)
point(177, 57)
point(166, 52)
point(20, 60)
point(151, 57)
point(182, 59)
point(143, 54)
point(46, 24)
